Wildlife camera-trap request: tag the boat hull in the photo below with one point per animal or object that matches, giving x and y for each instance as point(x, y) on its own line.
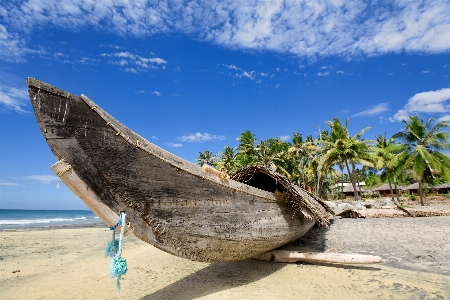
point(169, 202)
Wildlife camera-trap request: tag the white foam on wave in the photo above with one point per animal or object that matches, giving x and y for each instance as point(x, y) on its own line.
point(37, 221)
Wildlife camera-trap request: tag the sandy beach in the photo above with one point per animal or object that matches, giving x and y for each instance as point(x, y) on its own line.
point(68, 263)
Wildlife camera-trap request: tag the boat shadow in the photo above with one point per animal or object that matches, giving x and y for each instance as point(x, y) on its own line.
point(216, 277)
point(315, 241)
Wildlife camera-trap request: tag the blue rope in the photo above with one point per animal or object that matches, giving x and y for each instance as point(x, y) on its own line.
point(118, 265)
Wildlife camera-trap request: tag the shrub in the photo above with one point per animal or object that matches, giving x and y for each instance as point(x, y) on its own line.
point(370, 196)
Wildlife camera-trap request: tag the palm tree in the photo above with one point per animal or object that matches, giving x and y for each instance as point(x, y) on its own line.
point(388, 156)
point(271, 154)
point(298, 153)
point(246, 147)
point(206, 158)
point(340, 148)
point(227, 160)
point(424, 142)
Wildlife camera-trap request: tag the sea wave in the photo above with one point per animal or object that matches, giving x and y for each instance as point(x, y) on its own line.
point(38, 221)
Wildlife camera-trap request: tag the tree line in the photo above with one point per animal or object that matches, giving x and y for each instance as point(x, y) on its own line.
point(317, 164)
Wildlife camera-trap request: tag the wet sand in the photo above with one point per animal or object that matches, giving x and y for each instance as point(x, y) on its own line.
point(69, 264)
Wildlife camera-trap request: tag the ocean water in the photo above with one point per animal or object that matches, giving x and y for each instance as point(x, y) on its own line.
point(18, 218)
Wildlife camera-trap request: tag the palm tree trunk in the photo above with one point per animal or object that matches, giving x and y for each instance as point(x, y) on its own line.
point(390, 188)
point(342, 186)
point(318, 185)
point(355, 194)
point(420, 193)
point(357, 179)
point(396, 189)
point(303, 176)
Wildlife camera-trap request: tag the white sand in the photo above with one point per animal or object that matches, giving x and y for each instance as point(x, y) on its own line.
point(69, 264)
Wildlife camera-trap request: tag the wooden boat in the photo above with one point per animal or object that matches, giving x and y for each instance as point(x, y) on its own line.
point(170, 203)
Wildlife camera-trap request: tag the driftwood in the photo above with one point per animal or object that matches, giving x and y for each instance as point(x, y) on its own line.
point(393, 213)
point(284, 256)
point(405, 210)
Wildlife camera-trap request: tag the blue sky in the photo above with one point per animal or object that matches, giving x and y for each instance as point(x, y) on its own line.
point(193, 75)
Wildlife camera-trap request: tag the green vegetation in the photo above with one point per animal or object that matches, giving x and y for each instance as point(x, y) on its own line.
point(318, 164)
point(424, 143)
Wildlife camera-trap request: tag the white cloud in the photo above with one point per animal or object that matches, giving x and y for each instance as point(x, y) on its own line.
point(4, 183)
point(13, 47)
point(379, 108)
point(277, 86)
point(59, 54)
point(251, 75)
point(157, 93)
point(198, 137)
point(232, 67)
point(175, 145)
point(425, 72)
point(429, 102)
point(444, 118)
point(308, 29)
point(284, 138)
point(323, 74)
point(45, 179)
point(425, 102)
point(154, 137)
point(340, 72)
point(11, 98)
point(400, 116)
point(142, 63)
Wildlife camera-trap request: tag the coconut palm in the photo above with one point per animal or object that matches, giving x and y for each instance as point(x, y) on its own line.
point(227, 160)
point(424, 143)
point(340, 148)
point(388, 156)
point(298, 153)
point(206, 158)
point(246, 147)
point(271, 154)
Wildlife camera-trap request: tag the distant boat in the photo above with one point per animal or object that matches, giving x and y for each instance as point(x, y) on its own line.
point(169, 202)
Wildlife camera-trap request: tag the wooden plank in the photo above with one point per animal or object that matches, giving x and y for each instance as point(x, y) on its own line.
point(284, 256)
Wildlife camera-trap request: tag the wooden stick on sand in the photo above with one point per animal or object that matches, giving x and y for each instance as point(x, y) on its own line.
point(334, 258)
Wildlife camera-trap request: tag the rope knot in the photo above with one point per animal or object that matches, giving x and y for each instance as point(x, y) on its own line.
point(118, 264)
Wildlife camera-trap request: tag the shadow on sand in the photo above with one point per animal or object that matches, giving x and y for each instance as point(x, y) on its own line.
point(225, 275)
point(216, 277)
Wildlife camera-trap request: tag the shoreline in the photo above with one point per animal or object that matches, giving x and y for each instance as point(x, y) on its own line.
point(99, 224)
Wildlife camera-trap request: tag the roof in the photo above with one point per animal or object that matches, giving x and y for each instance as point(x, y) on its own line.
point(443, 186)
point(361, 183)
point(415, 186)
point(385, 187)
point(349, 188)
point(311, 206)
